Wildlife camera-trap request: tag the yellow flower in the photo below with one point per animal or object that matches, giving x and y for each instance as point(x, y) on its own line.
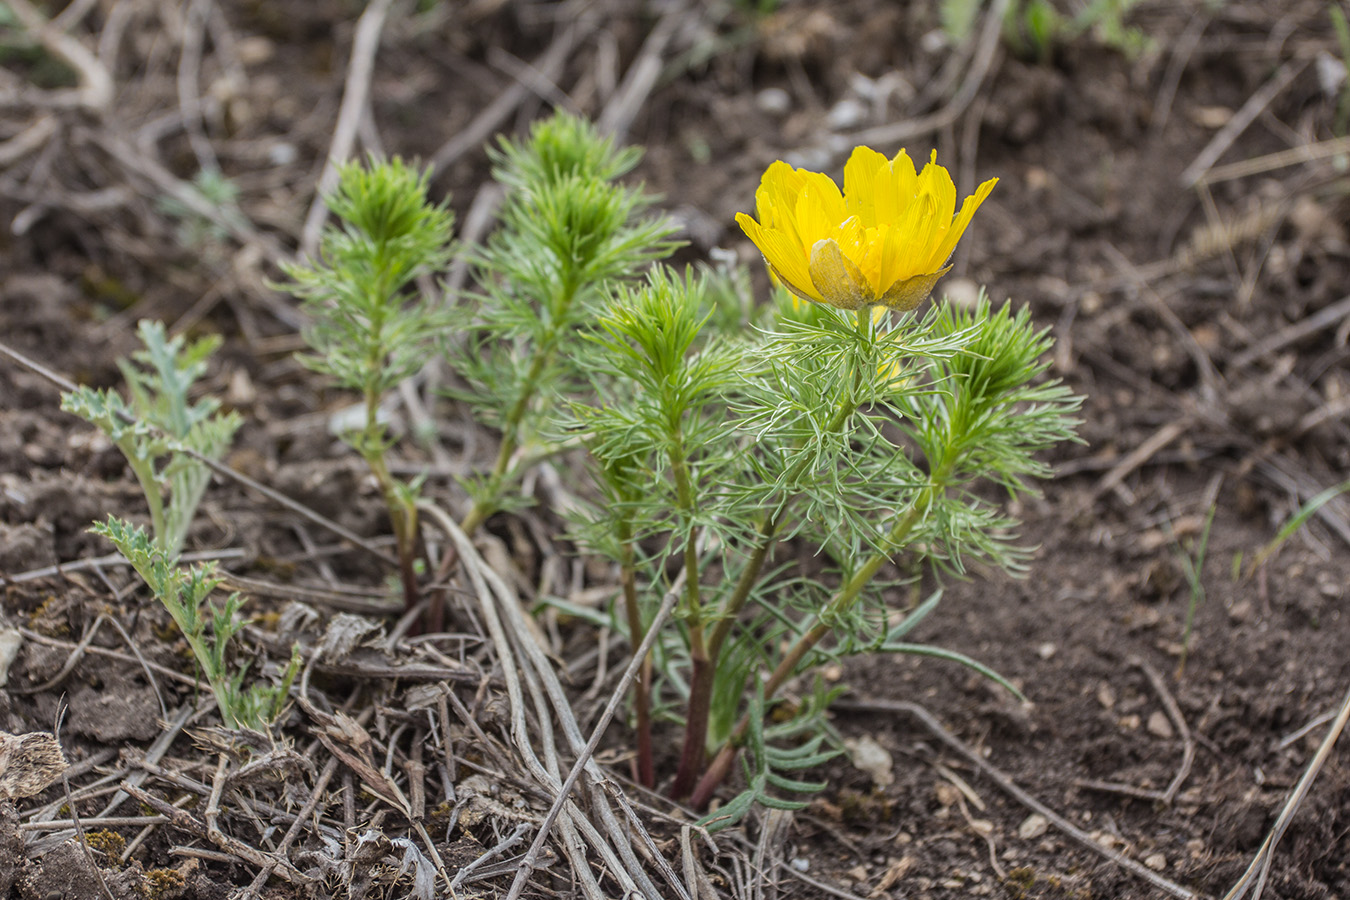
point(885, 239)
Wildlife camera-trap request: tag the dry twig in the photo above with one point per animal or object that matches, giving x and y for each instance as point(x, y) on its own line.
point(355, 96)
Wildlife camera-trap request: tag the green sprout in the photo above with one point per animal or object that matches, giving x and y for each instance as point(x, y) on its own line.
point(1296, 521)
point(1193, 567)
point(157, 428)
point(368, 333)
point(185, 593)
point(194, 231)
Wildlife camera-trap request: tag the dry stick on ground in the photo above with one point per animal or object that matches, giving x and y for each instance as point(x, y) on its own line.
point(1006, 784)
point(1178, 722)
point(187, 82)
point(700, 885)
point(234, 847)
point(152, 756)
point(640, 78)
point(488, 856)
point(75, 819)
point(1265, 459)
point(301, 819)
point(820, 885)
point(1259, 869)
point(182, 782)
point(1255, 104)
point(531, 857)
point(355, 95)
point(1212, 386)
point(92, 650)
point(77, 653)
point(136, 161)
point(573, 844)
point(549, 66)
point(113, 559)
point(773, 833)
point(1180, 57)
point(104, 822)
point(1325, 317)
point(96, 90)
point(1270, 162)
point(1136, 458)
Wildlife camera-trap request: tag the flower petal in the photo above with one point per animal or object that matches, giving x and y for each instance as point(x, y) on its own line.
point(784, 260)
point(958, 227)
point(937, 182)
point(907, 294)
point(837, 278)
point(896, 187)
point(916, 233)
point(860, 184)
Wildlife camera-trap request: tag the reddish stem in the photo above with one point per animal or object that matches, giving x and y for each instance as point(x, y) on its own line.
point(716, 774)
point(695, 729)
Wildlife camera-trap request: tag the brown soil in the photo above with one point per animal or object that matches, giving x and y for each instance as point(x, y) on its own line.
point(1186, 314)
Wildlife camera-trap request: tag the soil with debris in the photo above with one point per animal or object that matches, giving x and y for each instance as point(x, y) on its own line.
point(1173, 205)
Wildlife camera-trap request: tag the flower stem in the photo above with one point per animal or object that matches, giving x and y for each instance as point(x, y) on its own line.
point(700, 690)
point(838, 605)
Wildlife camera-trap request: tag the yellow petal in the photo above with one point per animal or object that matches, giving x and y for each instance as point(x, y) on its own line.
point(907, 294)
point(958, 227)
point(852, 241)
point(896, 187)
point(776, 200)
point(917, 234)
point(837, 279)
point(824, 195)
point(860, 184)
point(787, 263)
point(937, 182)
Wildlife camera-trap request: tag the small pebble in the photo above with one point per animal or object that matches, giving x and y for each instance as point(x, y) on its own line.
point(962, 292)
point(774, 101)
point(1106, 696)
point(1156, 861)
point(1331, 73)
point(1158, 726)
point(847, 113)
point(282, 154)
point(1032, 827)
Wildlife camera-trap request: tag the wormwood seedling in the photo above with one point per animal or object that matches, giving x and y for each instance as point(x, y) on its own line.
point(185, 593)
point(153, 431)
point(159, 423)
point(369, 330)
